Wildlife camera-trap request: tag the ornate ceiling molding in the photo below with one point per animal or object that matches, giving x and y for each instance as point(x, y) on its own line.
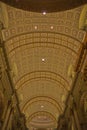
point(42, 98)
point(49, 45)
point(40, 113)
point(42, 83)
point(48, 75)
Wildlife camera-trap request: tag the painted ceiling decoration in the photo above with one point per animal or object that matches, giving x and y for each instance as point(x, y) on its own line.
point(45, 5)
point(43, 51)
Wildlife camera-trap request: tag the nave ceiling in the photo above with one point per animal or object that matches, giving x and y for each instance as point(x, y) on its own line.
point(42, 50)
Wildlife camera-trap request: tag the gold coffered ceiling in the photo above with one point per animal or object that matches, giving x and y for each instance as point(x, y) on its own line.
point(40, 49)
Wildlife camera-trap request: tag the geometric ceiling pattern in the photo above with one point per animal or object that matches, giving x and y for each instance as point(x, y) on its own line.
point(42, 48)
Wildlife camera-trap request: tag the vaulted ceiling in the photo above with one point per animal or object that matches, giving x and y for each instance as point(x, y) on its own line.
point(42, 49)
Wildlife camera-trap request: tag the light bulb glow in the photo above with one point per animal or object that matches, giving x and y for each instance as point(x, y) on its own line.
point(44, 13)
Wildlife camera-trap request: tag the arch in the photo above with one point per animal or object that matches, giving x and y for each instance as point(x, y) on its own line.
point(41, 112)
point(48, 32)
point(49, 72)
point(46, 97)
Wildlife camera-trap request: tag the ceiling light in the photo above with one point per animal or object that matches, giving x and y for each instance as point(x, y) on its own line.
point(42, 106)
point(43, 59)
point(35, 27)
point(44, 13)
point(51, 27)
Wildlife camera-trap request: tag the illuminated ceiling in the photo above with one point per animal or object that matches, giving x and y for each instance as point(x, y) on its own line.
point(43, 51)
